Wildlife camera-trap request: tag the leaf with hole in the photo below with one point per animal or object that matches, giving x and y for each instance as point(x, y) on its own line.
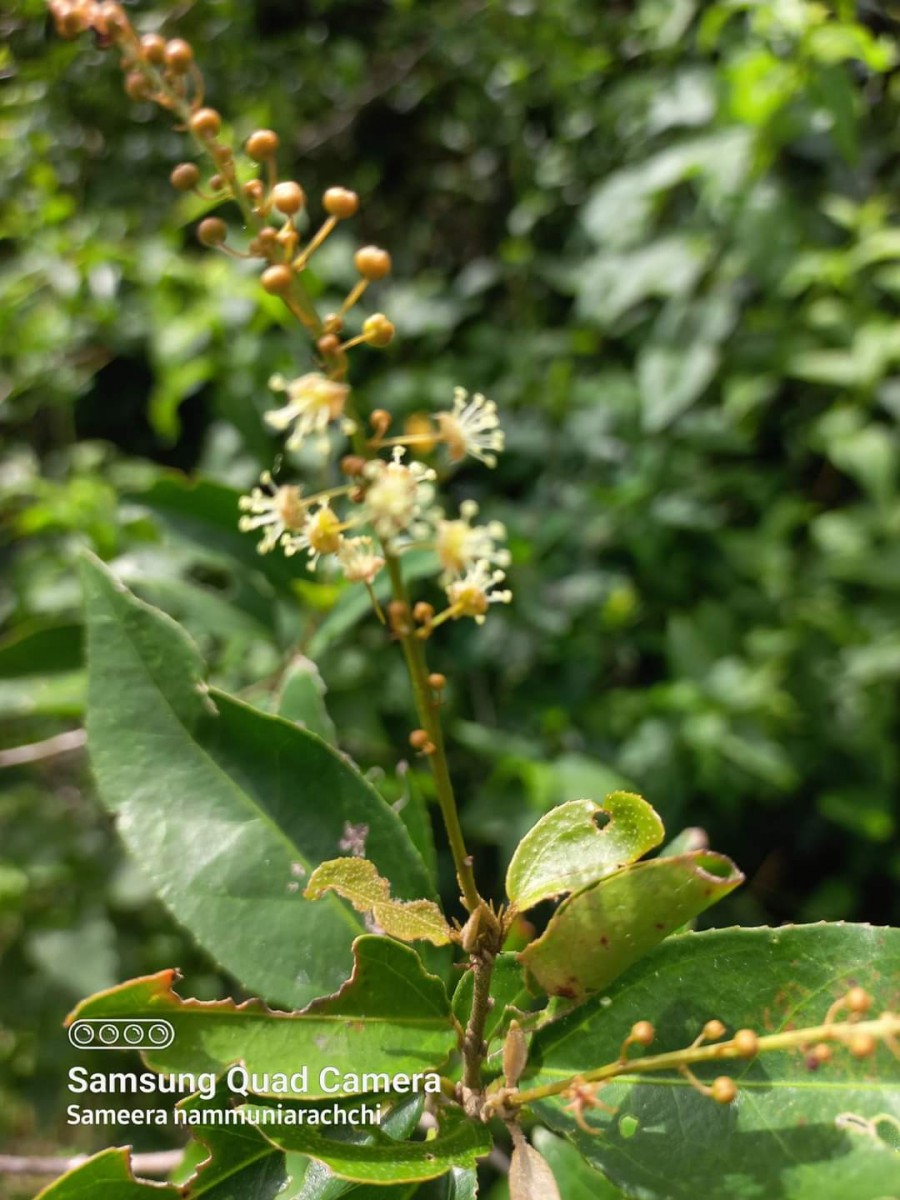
point(579, 843)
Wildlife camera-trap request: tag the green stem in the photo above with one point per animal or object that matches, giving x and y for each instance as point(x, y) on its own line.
point(416, 663)
point(887, 1028)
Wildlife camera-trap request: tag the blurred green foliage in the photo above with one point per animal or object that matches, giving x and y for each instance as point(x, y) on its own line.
point(665, 237)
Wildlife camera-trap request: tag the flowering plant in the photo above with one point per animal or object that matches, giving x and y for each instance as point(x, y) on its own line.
point(672, 1063)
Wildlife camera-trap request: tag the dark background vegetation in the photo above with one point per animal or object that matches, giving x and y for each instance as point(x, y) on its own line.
point(664, 236)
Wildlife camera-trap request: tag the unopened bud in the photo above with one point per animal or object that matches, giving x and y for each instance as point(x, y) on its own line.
point(262, 144)
point(372, 262)
point(353, 465)
point(746, 1043)
point(278, 279)
point(341, 203)
point(185, 177)
point(436, 681)
point(642, 1033)
point(858, 1000)
point(515, 1054)
point(212, 232)
point(380, 420)
point(378, 330)
point(254, 191)
point(137, 86)
point(333, 323)
point(723, 1090)
point(153, 49)
point(713, 1030)
point(862, 1045)
point(178, 56)
point(205, 122)
point(288, 197)
point(419, 739)
point(328, 345)
point(423, 612)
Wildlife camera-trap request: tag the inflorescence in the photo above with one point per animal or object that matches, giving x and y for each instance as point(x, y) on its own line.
point(387, 504)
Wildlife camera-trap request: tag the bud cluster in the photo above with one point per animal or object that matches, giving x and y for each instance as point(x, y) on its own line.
point(387, 504)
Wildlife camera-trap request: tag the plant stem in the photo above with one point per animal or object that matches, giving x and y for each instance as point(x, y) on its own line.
point(886, 1028)
point(416, 663)
point(473, 1043)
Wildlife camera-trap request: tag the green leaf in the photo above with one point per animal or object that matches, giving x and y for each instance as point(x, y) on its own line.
point(240, 1162)
point(577, 1180)
point(107, 1175)
point(226, 808)
point(460, 1141)
point(357, 880)
point(578, 844)
point(460, 1183)
point(597, 934)
point(389, 1017)
point(784, 1136)
point(39, 648)
point(302, 699)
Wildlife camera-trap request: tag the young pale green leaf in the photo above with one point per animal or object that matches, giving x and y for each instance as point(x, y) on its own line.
point(301, 699)
point(597, 934)
point(108, 1175)
point(460, 1142)
point(579, 843)
point(357, 880)
point(790, 1134)
point(228, 809)
point(390, 1017)
point(530, 1177)
point(576, 1180)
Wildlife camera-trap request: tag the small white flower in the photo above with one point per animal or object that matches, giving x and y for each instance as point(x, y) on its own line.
point(321, 534)
point(358, 562)
point(459, 544)
point(277, 511)
point(313, 403)
point(472, 427)
point(472, 595)
point(397, 494)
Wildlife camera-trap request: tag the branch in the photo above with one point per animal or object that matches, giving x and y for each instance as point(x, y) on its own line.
point(158, 1165)
point(63, 743)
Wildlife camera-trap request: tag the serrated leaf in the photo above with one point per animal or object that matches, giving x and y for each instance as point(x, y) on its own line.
point(782, 1137)
point(394, 1018)
point(597, 934)
point(357, 880)
point(578, 844)
point(460, 1142)
point(530, 1177)
point(108, 1175)
point(301, 699)
point(226, 808)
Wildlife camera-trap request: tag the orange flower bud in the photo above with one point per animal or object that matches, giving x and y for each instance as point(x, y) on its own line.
point(288, 197)
point(278, 279)
point(262, 144)
point(212, 232)
point(206, 122)
point(184, 177)
point(178, 56)
point(372, 263)
point(341, 203)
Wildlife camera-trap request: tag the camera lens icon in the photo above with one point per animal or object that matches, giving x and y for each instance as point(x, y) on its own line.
point(135, 1033)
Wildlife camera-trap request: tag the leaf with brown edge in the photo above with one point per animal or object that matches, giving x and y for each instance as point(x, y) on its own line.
point(109, 1175)
point(579, 843)
point(390, 1016)
point(598, 933)
point(357, 880)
